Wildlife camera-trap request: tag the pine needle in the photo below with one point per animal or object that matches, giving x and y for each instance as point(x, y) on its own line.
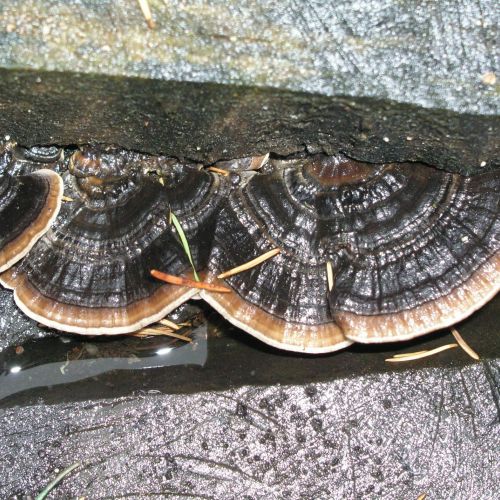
point(216, 170)
point(180, 280)
point(461, 342)
point(406, 354)
point(43, 494)
point(67, 198)
point(146, 11)
point(422, 496)
point(249, 265)
point(421, 354)
point(147, 332)
point(329, 275)
point(175, 221)
point(169, 324)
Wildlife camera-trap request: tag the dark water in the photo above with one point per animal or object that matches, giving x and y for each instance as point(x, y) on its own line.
point(65, 359)
point(32, 357)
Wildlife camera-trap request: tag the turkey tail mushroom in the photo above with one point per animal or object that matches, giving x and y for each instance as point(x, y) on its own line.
point(91, 273)
point(29, 205)
point(369, 253)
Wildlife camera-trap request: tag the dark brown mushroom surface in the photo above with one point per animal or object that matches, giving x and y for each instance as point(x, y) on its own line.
point(91, 273)
point(369, 253)
point(28, 206)
point(194, 195)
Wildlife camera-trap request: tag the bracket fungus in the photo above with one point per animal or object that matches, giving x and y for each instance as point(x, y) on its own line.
point(91, 273)
point(317, 252)
point(194, 195)
point(369, 253)
point(21, 161)
point(28, 206)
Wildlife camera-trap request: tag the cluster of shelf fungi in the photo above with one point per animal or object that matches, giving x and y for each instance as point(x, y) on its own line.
point(357, 252)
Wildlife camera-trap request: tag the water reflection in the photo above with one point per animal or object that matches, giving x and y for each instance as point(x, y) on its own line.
point(62, 359)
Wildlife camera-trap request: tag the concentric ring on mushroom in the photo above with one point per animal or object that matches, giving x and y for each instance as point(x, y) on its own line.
point(307, 254)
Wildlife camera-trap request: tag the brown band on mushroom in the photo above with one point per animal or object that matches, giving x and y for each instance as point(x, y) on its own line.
point(282, 301)
point(91, 273)
point(337, 170)
point(426, 273)
point(476, 291)
point(273, 330)
point(407, 243)
point(94, 320)
point(28, 206)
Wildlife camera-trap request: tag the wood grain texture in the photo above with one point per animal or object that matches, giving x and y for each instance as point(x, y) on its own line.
point(433, 54)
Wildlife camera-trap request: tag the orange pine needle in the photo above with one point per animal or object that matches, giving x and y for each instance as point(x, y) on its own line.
point(216, 170)
point(180, 280)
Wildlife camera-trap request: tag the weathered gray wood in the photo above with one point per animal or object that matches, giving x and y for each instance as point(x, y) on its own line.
point(398, 435)
point(430, 53)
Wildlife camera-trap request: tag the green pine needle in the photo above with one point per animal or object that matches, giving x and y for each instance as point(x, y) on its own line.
point(43, 494)
point(184, 241)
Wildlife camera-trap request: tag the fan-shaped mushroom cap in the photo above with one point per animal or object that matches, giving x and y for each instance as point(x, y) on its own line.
point(404, 243)
point(28, 206)
point(425, 254)
point(28, 160)
point(91, 273)
point(194, 196)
